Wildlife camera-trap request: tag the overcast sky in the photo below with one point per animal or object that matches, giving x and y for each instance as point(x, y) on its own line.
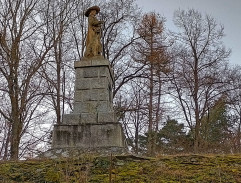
point(225, 12)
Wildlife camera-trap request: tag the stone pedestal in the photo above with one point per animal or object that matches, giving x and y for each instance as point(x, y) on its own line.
point(93, 124)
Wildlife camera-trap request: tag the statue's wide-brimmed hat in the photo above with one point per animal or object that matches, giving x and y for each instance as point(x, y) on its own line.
point(97, 8)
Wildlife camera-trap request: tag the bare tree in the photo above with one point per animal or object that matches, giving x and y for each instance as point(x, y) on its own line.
point(59, 71)
point(131, 110)
point(150, 52)
point(24, 47)
point(198, 62)
point(234, 102)
point(119, 34)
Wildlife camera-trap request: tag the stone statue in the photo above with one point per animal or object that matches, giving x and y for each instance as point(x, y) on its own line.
point(92, 126)
point(93, 44)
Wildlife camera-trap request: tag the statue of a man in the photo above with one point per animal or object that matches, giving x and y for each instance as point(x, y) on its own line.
point(93, 44)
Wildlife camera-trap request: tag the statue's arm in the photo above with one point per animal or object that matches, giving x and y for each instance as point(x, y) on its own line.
point(94, 21)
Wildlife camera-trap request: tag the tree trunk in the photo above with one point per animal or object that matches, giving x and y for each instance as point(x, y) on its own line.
point(136, 139)
point(5, 155)
point(15, 112)
point(239, 136)
point(158, 117)
point(15, 141)
point(150, 143)
point(15, 134)
point(196, 106)
point(58, 59)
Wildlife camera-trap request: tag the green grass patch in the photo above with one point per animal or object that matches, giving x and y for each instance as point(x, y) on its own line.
point(186, 168)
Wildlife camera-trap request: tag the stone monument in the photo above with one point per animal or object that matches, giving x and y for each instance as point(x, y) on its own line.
point(92, 126)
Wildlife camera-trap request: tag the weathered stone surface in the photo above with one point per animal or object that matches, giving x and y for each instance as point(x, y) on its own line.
point(99, 83)
point(87, 118)
point(81, 107)
point(79, 73)
point(88, 136)
point(104, 95)
point(92, 62)
point(75, 152)
point(78, 95)
point(71, 119)
point(103, 106)
point(102, 66)
point(106, 117)
point(91, 83)
point(93, 95)
point(92, 106)
point(93, 124)
point(90, 72)
point(83, 84)
point(90, 95)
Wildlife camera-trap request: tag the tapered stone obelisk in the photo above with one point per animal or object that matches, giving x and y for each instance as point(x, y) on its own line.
point(93, 124)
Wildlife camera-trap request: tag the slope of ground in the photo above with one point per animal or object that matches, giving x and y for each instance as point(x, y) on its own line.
point(88, 168)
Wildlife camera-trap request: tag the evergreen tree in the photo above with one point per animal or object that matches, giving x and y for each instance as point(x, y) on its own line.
point(172, 137)
point(215, 127)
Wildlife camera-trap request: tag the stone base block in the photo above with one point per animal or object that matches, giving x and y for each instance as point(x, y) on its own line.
point(106, 117)
point(73, 119)
point(78, 152)
point(87, 136)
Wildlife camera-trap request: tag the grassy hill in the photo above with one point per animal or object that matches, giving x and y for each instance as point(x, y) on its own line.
point(88, 168)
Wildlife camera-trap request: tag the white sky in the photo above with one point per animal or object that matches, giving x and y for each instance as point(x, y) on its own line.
point(225, 12)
